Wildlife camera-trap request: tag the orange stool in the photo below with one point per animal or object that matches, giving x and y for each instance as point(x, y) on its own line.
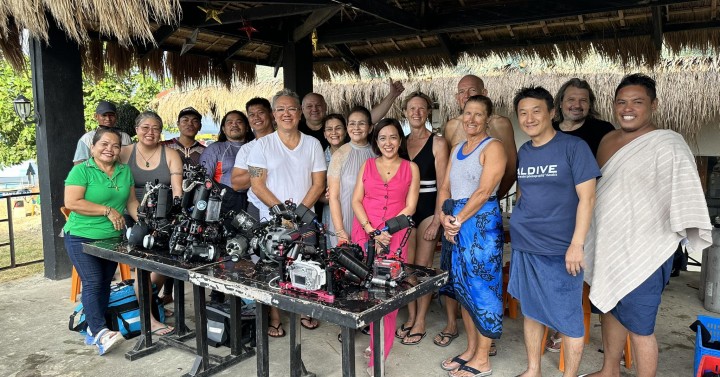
point(587, 313)
point(75, 282)
point(509, 302)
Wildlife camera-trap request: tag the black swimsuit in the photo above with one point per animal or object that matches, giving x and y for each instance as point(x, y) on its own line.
point(425, 161)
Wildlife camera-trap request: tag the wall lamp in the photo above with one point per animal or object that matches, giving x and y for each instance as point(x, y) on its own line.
point(23, 109)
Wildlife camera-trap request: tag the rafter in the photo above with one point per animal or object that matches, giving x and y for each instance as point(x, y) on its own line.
point(160, 36)
point(657, 26)
point(383, 11)
point(315, 19)
point(263, 13)
point(448, 48)
point(348, 56)
point(232, 50)
point(492, 15)
point(629, 32)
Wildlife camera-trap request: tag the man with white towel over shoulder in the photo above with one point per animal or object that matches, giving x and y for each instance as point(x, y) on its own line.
point(648, 199)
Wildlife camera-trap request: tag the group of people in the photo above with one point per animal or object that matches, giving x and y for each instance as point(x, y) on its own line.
point(594, 205)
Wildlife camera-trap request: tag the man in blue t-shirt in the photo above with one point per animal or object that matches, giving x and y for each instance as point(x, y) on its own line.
point(556, 193)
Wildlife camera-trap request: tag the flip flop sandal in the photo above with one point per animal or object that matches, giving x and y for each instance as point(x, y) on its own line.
point(310, 321)
point(280, 331)
point(474, 372)
point(413, 342)
point(493, 349)
point(403, 330)
point(445, 339)
point(455, 359)
point(157, 331)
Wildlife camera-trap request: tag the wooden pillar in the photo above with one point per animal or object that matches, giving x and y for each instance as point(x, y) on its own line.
point(298, 66)
point(57, 93)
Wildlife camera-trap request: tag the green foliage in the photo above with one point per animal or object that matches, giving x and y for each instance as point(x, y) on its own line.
point(17, 140)
point(135, 89)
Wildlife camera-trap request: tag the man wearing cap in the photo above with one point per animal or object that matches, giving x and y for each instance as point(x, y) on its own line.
point(189, 148)
point(106, 116)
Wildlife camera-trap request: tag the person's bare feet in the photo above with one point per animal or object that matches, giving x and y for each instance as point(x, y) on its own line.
point(159, 328)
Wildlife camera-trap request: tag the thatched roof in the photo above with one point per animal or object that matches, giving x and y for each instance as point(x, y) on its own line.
point(222, 41)
point(687, 89)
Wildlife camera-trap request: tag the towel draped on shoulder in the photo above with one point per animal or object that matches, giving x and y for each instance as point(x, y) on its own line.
point(648, 199)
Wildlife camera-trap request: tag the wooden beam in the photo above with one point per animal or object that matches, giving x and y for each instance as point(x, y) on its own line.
point(160, 36)
point(232, 50)
point(348, 57)
point(527, 42)
point(215, 56)
point(383, 11)
point(315, 19)
point(657, 27)
point(492, 15)
point(262, 13)
point(448, 48)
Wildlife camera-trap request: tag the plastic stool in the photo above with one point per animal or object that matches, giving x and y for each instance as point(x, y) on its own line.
point(75, 283)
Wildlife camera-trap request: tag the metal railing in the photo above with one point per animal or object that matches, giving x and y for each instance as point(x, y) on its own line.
point(11, 232)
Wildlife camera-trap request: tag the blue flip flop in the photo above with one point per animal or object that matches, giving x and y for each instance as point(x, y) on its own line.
point(455, 359)
point(475, 372)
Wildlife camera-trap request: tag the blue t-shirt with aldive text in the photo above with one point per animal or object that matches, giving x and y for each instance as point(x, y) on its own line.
point(543, 220)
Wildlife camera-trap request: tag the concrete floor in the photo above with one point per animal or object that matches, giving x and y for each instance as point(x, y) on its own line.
point(35, 341)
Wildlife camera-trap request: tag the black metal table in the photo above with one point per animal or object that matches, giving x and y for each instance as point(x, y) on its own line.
point(146, 261)
point(351, 310)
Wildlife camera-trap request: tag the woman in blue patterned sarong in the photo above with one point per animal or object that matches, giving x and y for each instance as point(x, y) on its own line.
point(473, 225)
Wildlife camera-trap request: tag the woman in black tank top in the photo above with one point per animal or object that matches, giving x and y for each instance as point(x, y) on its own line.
point(430, 153)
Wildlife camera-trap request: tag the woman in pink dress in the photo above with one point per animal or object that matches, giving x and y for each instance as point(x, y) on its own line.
point(387, 186)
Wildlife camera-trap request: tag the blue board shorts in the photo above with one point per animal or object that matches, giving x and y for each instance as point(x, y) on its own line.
point(638, 310)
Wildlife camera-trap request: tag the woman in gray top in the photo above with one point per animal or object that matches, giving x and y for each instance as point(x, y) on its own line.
point(343, 172)
point(473, 225)
point(149, 160)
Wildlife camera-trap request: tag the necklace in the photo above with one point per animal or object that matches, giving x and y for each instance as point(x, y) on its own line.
point(147, 160)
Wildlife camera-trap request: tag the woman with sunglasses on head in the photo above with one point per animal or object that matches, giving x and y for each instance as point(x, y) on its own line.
point(150, 161)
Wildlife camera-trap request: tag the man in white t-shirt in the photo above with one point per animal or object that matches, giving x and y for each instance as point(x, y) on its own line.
point(106, 116)
point(259, 112)
point(286, 164)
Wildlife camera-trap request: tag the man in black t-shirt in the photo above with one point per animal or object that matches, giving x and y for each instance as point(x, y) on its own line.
point(314, 109)
point(575, 113)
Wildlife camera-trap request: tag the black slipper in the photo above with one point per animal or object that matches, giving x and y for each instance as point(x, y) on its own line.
point(475, 372)
point(455, 359)
point(404, 330)
point(447, 337)
point(414, 342)
point(280, 330)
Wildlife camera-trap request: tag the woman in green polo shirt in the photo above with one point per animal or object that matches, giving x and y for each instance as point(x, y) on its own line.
point(97, 192)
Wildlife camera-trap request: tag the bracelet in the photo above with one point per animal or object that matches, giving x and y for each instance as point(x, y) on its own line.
point(367, 222)
point(107, 211)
